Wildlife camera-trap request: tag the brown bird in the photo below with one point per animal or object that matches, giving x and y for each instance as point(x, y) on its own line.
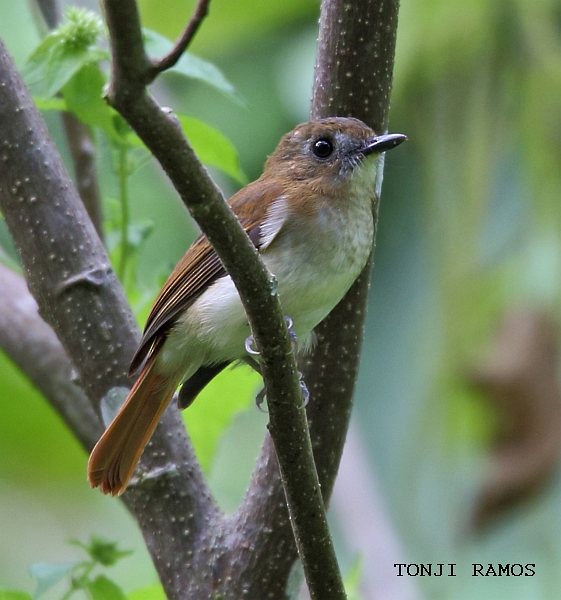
point(310, 217)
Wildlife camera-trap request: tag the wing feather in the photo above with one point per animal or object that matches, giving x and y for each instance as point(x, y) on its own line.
point(200, 267)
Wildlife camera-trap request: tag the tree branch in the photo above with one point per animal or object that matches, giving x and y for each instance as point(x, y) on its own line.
point(331, 370)
point(287, 418)
point(169, 60)
point(50, 9)
point(35, 349)
point(353, 76)
point(82, 151)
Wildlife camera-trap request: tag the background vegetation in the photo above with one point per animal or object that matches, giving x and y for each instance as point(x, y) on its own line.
point(469, 231)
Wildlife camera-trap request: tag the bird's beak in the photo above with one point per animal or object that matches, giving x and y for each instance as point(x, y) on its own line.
point(381, 143)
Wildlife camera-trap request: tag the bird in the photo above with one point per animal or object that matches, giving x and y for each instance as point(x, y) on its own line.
point(310, 217)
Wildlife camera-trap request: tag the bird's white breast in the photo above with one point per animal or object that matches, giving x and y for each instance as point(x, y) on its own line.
point(315, 262)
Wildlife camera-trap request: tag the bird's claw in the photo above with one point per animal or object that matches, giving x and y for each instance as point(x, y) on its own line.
point(262, 395)
point(249, 346)
point(250, 349)
point(290, 328)
point(304, 390)
point(250, 341)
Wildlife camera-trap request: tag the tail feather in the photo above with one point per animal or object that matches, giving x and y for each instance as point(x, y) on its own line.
point(116, 454)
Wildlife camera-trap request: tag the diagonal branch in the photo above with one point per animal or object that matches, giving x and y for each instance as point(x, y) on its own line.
point(287, 420)
point(35, 349)
point(169, 60)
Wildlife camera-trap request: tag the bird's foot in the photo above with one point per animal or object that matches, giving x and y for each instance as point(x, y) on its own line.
point(253, 352)
point(250, 341)
point(290, 328)
point(304, 389)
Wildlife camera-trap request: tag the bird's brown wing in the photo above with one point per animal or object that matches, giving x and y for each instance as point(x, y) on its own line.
point(199, 268)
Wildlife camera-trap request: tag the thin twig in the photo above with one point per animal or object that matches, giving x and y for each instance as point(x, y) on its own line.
point(169, 60)
point(82, 151)
point(122, 176)
point(50, 9)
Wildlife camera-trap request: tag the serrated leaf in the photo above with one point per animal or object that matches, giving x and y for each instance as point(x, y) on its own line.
point(83, 96)
point(63, 52)
point(213, 147)
point(102, 588)
point(48, 575)
point(17, 595)
point(152, 592)
point(189, 65)
point(51, 66)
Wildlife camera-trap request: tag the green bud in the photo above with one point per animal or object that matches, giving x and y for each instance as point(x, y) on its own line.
point(80, 29)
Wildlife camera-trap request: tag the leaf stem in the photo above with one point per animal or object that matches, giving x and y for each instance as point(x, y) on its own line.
point(123, 174)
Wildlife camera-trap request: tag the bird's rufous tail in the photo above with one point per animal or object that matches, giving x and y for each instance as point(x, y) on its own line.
point(114, 457)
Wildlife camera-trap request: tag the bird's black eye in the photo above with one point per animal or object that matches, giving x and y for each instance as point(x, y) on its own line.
point(322, 147)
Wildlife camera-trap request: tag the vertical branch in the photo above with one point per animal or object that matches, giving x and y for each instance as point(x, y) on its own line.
point(353, 76)
point(354, 63)
point(80, 143)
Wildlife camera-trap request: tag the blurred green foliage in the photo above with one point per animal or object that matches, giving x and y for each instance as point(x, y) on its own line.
point(469, 226)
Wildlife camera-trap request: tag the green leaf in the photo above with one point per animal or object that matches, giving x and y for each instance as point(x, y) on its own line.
point(189, 65)
point(152, 592)
point(63, 53)
point(213, 147)
point(46, 104)
point(102, 588)
point(83, 96)
point(103, 551)
point(46, 72)
point(352, 580)
point(48, 575)
point(17, 595)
